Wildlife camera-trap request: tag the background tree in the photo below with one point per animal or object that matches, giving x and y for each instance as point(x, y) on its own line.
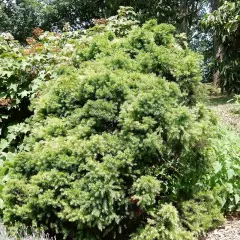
point(20, 17)
point(216, 44)
point(225, 25)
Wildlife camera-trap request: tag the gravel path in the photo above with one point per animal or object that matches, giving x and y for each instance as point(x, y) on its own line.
point(226, 114)
point(230, 231)
point(35, 236)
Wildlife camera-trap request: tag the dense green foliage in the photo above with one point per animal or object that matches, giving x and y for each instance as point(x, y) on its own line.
point(94, 150)
point(202, 212)
point(22, 16)
point(225, 22)
point(17, 85)
point(118, 145)
point(225, 157)
point(164, 224)
point(22, 71)
point(26, 68)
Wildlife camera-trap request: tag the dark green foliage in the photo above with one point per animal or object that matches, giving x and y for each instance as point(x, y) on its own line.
point(225, 23)
point(22, 16)
point(164, 224)
point(202, 213)
point(16, 77)
point(22, 71)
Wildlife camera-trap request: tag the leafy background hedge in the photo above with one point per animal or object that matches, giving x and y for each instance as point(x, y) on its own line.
point(118, 144)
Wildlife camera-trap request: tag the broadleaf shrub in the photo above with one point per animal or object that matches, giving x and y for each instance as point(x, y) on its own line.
point(224, 173)
point(22, 71)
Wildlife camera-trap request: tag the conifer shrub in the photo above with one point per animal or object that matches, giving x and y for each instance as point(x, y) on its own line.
point(152, 48)
point(165, 224)
point(116, 140)
point(105, 147)
point(202, 212)
point(116, 43)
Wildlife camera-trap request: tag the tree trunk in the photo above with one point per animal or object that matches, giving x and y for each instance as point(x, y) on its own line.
point(183, 27)
point(217, 51)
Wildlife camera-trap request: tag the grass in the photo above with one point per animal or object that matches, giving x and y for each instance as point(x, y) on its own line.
point(219, 100)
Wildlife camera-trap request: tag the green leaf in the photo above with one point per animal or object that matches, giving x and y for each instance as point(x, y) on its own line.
point(3, 144)
point(217, 166)
point(23, 93)
point(230, 173)
point(13, 86)
point(1, 204)
point(237, 198)
point(229, 187)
